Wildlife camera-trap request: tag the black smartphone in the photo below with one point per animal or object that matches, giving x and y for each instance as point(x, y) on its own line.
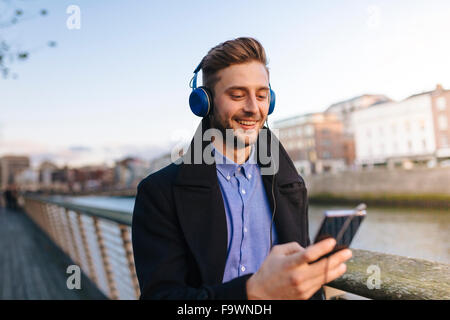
point(341, 225)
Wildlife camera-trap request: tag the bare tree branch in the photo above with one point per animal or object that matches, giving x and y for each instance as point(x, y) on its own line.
point(11, 14)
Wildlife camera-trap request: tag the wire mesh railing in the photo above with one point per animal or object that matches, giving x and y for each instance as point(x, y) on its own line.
point(97, 240)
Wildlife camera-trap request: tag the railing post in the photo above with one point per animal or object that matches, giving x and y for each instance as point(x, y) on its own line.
point(106, 264)
point(51, 231)
point(87, 251)
point(72, 237)
point(40, 219)
point(54, 224)
point(62, 234)
point(126, 240)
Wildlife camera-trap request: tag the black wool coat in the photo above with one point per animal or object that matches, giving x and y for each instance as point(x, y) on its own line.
point(179, 229)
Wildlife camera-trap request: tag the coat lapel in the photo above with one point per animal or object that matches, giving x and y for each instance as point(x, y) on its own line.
point(201, 212)
point(202, 216)
point(289, 211)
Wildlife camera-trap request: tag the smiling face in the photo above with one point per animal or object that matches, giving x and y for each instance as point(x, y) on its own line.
point(241, 101)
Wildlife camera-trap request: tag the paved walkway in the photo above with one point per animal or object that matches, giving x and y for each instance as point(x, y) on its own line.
point(32, 266)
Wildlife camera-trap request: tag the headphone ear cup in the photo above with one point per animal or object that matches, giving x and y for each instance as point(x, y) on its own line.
point(200, 101)
point(272, 101)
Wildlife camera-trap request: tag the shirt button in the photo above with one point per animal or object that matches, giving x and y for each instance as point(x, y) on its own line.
point(242, 268)
point(243, 191)
point(245, 229)
point(249, 176)
point(228, 177)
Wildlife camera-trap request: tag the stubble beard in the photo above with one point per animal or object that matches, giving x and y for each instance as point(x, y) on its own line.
point(238, 141)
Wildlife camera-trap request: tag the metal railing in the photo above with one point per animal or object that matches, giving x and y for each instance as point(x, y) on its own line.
point(99, 241)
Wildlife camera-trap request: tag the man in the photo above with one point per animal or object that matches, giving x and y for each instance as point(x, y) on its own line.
point(205, 230)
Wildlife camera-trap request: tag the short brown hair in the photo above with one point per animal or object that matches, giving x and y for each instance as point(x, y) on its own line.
point(240, 50)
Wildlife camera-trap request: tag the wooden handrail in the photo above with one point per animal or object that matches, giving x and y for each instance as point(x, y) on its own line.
point(118, 216)
point(399, 278)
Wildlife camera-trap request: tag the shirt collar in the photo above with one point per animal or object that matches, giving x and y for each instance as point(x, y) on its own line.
point(227, 167)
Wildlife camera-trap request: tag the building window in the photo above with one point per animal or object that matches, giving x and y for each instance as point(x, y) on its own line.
point(424, 144)
point(441, 103)
point(291, 145)
point(407, 126)
point(444, 141)
point(381, 149)
point(442, 122)
point(422, 124)
point(299, 131)
point(395, 147)
point(309, 130)
point(409, 146)
point(326, 155)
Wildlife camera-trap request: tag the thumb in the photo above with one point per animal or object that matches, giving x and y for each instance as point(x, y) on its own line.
point(312, 253)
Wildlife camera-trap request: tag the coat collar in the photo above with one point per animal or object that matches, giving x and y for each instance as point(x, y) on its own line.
point(204, 174)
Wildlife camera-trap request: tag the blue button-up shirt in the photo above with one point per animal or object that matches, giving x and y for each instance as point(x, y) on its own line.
point(248, 214)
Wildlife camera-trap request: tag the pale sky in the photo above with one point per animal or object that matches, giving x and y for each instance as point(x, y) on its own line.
point(119, 85)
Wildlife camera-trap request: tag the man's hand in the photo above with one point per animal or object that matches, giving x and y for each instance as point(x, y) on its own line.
point(288, 271)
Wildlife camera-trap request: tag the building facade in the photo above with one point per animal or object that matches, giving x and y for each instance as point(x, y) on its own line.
point(440, 105)
point(414, 130)
point(315, 142)
point(129, 171)
point(344, 109)
point(10, 167)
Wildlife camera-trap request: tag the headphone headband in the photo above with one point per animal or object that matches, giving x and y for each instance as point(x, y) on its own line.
point(198, 67)
point(194, 78)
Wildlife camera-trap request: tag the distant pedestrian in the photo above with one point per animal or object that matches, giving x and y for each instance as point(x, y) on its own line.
point(7, 197)
point(10, 196)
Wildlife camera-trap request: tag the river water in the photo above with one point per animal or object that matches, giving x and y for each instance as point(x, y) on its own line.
point(418, 233)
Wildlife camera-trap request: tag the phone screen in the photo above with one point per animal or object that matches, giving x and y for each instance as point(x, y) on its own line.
point(341, 225)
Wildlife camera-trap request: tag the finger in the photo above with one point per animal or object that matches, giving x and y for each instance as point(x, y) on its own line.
point(330, 275)
point(310, 286)
point(288, 248)
point(312, 253)
point(308, 294)
point(307, 288)
point(320, 267)
point(317, 273)
point(335, 273)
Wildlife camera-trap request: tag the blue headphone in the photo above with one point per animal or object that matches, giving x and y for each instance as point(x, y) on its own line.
point(201, 98)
